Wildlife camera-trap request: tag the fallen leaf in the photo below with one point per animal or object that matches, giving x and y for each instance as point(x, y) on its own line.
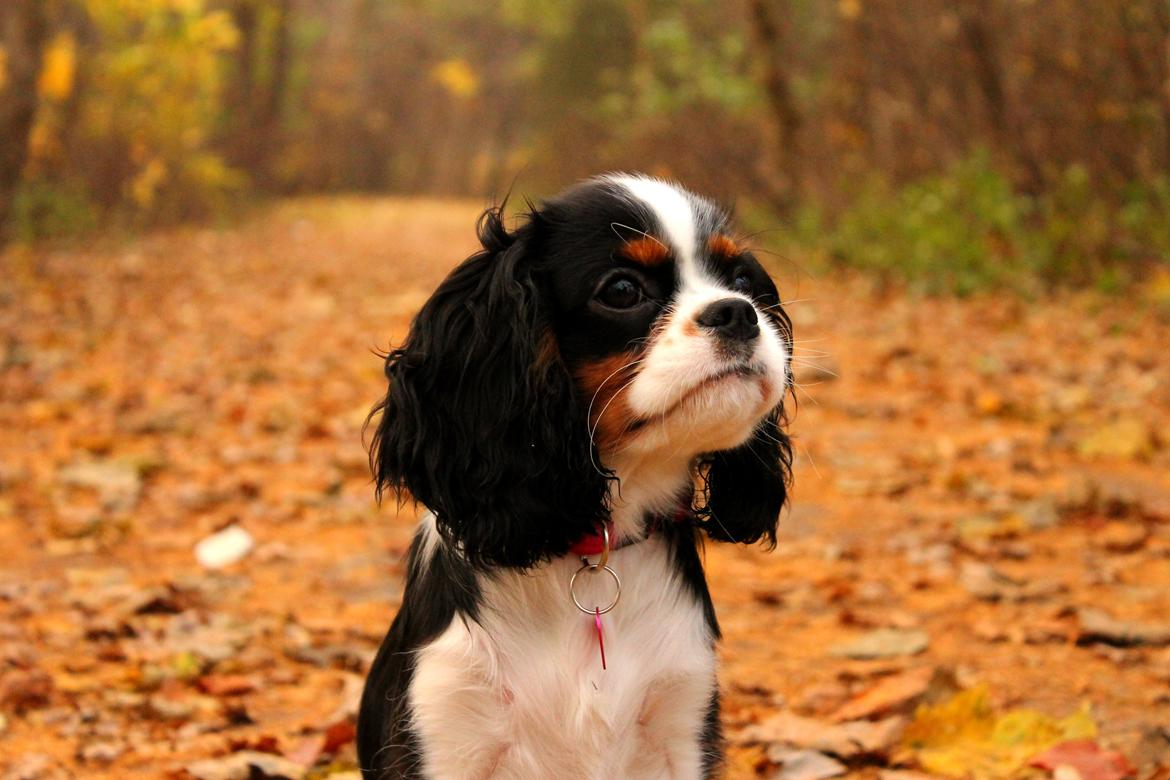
point(307, 751)
point(1122, 537)
point(353, 685)
point(1039, 514)
point(895, 693)
point(195, 641)
point(116, 483)
point(965, 737)
point(257, 743)
point(840, 739)
point(21, 691)
point(35, 766)
point(1153, 750)
point(1123, 438)
point(335, 656)
point(978, 530)
point(338, 735)
point(1087, 758)
point(101, 752)
point(891, 484)
point(1098, 626)
point(247, 765)
point(226, 684)
point(176, 704)
point(989, 584)
point(804, 765)
point(883, 643)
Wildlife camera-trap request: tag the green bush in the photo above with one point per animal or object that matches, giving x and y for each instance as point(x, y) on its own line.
point(45, 210)
point(968, 230)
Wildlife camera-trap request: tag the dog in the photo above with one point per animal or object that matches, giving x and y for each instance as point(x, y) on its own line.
point(575, 406)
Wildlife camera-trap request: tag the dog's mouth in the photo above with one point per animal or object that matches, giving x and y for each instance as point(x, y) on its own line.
point(741, 371)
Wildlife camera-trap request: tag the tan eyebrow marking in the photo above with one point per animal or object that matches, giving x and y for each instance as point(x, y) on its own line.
point(646, 251)
point(724, 246)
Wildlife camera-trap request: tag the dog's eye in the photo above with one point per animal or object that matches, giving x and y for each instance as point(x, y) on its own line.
point(621, 293)
point(742, 283)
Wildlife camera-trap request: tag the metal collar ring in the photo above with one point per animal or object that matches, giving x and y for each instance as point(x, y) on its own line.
point(593, 568)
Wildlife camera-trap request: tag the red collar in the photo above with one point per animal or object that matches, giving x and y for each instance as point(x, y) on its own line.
point(594, 543)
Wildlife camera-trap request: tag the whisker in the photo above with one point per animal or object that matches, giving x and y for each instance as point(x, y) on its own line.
point(798, 386)
point(715, 517)
point(811, 461)
point(786, 303)
point(816, 366)
point(597, 422)
point(589, 411)
point(615, 225)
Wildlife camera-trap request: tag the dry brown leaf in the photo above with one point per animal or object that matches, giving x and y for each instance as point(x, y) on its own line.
point(891, 694)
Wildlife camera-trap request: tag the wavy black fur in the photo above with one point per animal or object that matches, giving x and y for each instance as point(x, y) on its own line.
point(745, 488)
point(482, 422)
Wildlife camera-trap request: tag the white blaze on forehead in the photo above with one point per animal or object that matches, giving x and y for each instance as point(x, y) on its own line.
point(674, 209)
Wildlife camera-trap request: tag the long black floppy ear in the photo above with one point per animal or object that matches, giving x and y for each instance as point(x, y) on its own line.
point(746, 487)
point(481, 422)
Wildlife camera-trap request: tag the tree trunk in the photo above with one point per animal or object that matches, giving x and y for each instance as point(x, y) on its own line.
point(977, 29)
point(1152, 77)
point(264, 49)
point(23, 28)
point(242, 92)
point(781, 103)
point(271, 105)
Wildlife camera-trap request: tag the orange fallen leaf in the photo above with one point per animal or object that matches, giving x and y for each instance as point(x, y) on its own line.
point(889, 694)
point(226, 684)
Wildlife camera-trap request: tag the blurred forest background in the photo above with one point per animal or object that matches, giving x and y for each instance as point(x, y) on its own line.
point(965, 144)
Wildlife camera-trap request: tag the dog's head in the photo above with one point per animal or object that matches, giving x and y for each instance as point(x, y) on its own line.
point(619, 325)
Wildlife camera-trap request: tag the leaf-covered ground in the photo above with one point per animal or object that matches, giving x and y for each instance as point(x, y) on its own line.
point(974, 574)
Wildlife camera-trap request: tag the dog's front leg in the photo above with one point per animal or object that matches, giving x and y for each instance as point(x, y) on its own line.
point(672, 743)
point(457, 711)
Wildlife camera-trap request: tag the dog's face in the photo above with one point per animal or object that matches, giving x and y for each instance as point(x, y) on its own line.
point(670, 327)
point(621, 322)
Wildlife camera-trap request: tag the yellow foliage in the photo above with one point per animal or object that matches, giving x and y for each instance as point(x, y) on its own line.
point(216, 31)
point(1158, 289)
point(210, 173)
point(849, 9)
point(59, 68)
point(3, 68)
point(964, 737)
point(457, 77)
point(146, 184)
point(155, 87)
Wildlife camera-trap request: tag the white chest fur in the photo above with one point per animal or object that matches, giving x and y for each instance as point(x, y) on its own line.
point(521, 693)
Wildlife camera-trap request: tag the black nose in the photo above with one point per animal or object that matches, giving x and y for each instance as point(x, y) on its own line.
point(732, 319)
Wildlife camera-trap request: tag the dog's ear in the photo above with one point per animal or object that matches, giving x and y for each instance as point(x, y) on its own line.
point(746, 487)
point(481, 421)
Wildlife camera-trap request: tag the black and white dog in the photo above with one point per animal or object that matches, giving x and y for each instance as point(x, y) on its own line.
point(603, 382)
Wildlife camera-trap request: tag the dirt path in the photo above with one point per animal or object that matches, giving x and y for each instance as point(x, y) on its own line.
point(977, 476)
